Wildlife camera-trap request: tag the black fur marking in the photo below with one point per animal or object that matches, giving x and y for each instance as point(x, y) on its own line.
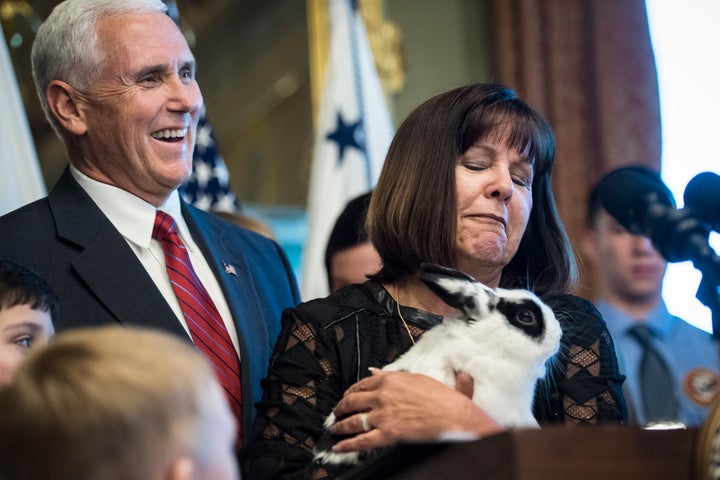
point(465, 303)
point(431, 275)
point(523, 314)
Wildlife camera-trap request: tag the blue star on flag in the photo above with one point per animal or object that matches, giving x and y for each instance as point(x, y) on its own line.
point(347, 135)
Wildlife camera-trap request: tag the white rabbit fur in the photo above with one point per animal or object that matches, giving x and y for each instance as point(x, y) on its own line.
point(501, 338)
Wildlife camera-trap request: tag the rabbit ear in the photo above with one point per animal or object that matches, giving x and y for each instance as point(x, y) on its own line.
point(457, 289)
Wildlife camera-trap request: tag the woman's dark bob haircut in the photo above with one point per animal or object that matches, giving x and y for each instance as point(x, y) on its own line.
point(412, 215)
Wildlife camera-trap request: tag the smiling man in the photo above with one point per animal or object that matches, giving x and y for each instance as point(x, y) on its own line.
point(113, 239)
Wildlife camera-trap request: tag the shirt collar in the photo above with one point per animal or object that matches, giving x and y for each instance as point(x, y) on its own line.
point(659, 319)
point(132, 216)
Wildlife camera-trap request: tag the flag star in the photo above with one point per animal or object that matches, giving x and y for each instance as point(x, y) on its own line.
point(226, 203)
point(203, 173)
point(347, 135)
point(204, 139)
point(204, 202)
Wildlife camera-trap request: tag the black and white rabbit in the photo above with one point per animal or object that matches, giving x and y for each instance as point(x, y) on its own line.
point(501, 338)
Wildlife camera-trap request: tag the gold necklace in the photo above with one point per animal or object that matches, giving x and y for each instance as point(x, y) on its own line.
point(397, 304)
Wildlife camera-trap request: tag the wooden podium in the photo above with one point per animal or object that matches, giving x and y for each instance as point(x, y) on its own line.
point(562, 452)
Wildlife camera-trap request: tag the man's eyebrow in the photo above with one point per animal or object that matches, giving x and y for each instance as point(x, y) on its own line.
point(191, 64)
point(149, 69)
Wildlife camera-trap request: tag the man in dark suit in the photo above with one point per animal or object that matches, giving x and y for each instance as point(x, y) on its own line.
point(117, 83)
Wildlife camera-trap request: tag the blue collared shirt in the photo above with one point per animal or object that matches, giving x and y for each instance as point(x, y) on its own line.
point(684, 347)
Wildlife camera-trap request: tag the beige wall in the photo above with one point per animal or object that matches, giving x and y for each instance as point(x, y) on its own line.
point(446, 44)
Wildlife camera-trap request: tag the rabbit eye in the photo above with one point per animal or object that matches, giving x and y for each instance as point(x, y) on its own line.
point(523, 314)
point(525, 317)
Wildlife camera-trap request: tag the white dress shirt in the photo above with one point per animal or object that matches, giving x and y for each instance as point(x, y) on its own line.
point(134, 218)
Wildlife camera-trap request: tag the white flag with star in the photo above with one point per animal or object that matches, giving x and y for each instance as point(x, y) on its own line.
point(353, 134)
point(21, 180)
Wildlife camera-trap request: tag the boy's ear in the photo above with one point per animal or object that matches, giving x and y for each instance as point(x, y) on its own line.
point(182, 468)
point(64, 105)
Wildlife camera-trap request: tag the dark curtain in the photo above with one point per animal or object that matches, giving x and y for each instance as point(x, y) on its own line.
point(588, 66)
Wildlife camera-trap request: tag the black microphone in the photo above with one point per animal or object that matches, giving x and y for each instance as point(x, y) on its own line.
point(702, 198)
point(635, 196)
point(643, 204)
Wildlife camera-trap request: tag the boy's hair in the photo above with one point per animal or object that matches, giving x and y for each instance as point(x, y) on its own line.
point(107, 402)
point(21, 286)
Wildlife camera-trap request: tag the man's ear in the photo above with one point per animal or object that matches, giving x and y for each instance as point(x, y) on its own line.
point(182, 468)
point(63, 104)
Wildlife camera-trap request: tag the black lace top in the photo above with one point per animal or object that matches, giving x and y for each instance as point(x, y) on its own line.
point(328, 344)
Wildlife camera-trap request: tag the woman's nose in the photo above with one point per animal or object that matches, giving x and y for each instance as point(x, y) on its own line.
point(501, 184)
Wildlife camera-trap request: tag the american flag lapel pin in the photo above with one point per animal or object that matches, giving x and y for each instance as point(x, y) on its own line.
point(229, 269)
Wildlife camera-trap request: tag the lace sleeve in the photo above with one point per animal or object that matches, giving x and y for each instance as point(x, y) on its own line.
point(583, 384)
point(298, 395)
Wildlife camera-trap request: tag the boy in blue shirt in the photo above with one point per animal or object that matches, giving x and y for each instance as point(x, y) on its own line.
point(629, 273)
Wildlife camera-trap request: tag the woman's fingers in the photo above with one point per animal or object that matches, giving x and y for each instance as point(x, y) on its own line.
point(367, 383)
point(373, 439)
point(358, 423)
point(360, 401)
point(391, 406)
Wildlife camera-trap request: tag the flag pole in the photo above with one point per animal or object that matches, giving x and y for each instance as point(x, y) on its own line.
point(318, 41)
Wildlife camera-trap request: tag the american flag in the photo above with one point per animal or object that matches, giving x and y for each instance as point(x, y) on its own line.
point(208, 188)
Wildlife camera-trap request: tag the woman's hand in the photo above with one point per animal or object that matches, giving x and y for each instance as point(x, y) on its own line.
point(407, 406)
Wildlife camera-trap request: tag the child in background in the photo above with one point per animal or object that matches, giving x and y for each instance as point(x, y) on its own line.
point(116, 403)
point(27, 307)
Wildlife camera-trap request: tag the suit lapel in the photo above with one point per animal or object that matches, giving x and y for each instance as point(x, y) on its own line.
point(122, 283)
point(106, 263)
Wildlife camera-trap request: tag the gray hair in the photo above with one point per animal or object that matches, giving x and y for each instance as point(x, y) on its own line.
point(66, 49)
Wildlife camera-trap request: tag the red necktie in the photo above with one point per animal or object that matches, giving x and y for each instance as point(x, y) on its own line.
point(206, 326)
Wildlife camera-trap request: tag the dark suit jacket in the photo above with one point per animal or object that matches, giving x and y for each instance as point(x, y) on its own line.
point(68, 241)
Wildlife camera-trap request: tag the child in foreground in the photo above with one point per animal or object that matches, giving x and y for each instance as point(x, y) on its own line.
point(116, 403)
